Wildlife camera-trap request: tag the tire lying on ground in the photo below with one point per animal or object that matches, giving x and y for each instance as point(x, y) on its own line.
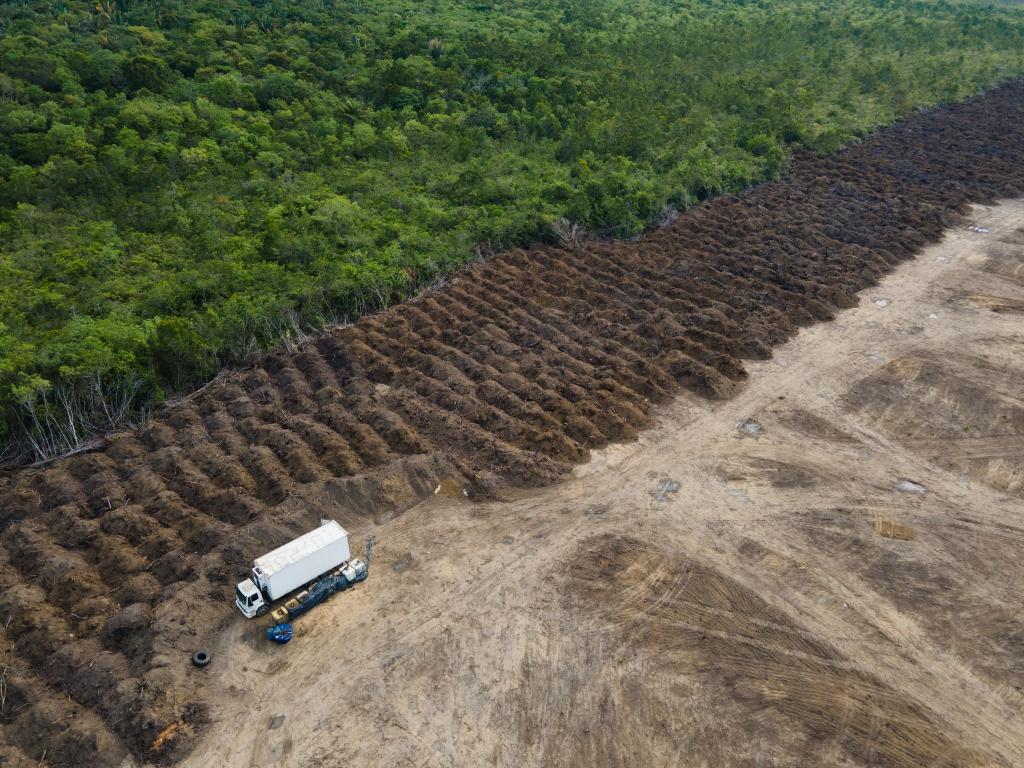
point(201, 658)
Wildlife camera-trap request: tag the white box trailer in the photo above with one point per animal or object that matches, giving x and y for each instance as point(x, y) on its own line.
point(291, 566)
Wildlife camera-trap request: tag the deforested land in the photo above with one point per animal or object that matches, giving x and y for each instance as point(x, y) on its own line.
point(634, 501)
point(669, 353)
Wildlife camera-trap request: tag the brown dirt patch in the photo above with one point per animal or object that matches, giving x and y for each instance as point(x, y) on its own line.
point(701, 620)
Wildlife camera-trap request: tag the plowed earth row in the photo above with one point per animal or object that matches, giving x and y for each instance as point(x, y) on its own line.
point(114, 565)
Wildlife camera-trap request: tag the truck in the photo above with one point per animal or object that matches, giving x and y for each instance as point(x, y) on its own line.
point(318, 560)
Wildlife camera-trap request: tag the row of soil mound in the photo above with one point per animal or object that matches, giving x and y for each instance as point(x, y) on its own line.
point(116, 564)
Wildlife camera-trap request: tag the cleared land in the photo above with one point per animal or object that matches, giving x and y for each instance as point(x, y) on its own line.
point(789, 604)
point(796, 602)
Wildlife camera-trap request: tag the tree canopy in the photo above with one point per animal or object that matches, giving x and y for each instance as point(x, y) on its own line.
point(185, 183)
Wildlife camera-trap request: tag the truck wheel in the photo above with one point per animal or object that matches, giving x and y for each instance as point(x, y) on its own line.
point(263, 610)
point(201, 658)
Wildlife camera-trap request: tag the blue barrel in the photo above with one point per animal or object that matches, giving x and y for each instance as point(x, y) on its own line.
point(280, 633)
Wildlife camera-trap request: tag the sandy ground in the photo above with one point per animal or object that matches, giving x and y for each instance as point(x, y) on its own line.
point(835, 582)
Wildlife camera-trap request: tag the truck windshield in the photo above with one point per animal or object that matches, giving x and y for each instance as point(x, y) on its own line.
point(239, 595)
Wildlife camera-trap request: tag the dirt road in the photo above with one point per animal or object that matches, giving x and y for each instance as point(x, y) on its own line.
point(832, 576)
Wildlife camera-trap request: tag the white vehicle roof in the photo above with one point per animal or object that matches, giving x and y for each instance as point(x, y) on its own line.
point(247, 587)
point(300, 548)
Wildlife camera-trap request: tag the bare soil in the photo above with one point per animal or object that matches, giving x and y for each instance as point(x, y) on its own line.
point(790, 604)
point(841, 588)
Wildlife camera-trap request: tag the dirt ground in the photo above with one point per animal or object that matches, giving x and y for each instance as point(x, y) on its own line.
point(835, 579)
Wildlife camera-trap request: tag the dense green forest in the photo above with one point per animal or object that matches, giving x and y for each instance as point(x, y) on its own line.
point(184, 183)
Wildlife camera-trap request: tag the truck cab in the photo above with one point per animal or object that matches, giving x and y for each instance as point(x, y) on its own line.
point(250, 600)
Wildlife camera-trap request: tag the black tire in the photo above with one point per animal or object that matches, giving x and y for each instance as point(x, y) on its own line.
point(201, 658)
point(263, 610)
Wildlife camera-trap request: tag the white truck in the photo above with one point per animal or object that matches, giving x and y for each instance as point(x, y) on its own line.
point(323, 552)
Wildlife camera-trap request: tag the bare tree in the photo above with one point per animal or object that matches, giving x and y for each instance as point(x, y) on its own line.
point(568, 233)
point(68, 417)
